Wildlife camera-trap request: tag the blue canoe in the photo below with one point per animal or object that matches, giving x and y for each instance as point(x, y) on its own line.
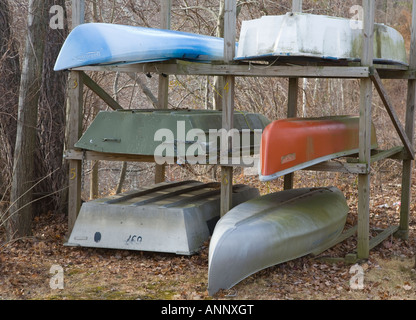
point(105, 44)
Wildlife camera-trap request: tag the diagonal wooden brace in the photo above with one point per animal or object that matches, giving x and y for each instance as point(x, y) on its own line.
point(113, 104)
point(392, 113)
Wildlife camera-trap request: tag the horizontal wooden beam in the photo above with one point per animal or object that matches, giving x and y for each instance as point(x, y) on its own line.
point(247, 70)
point(377, 155)
point(382, 236)
point(386, 154)
point(396, 74)
point(351, 70)
point(392, 113)
point(343, 167)
point(93, 155)
point(331, 166)
point(351, 258)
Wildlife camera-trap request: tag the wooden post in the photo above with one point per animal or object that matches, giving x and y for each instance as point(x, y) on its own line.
point(75, 104)
point(94, 179)
point(163, 93)
point(297, 6)
point(409, 129)
point(291, 112)
point(165, 16)
point(230, 18)
point(292, 103)
point(363, 231)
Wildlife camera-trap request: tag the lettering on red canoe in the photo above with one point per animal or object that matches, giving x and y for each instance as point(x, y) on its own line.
point(287, 158)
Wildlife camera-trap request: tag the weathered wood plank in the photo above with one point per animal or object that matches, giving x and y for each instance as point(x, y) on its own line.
point(113, 104)
point(387, 74)
point(363, 231)
point(95, 156)
point(78, 12)
point(353, 256)
point(165, 21)
point(230, 15)
point(239, 70)
point(74, 123)
point(330, 166)
point(252, 70)
point(94, 183)
point(382, 236)
point(377, 155)
point(343, 167)
point(292, 106)
point(386, 154)
point(297, 6)
point(163, 89)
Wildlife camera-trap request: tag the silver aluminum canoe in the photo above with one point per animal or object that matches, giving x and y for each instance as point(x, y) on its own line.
point(316, 36)
point(272, 229)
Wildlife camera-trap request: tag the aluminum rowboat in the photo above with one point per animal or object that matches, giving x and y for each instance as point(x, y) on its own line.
point(272, 229)
point(105, 44)
point(316, 36)
point(136, 131)
point(174, 217)
point(293, 144)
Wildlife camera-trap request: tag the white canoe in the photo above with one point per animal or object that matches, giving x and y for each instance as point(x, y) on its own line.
point(104, 44)
point(272, 229)
point(316, 36)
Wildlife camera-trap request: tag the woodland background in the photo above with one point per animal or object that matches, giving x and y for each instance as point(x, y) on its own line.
point(47, 200)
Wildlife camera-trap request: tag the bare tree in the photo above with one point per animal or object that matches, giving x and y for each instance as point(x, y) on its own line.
point(10, 78)
point(20, 222)
point(51, 123)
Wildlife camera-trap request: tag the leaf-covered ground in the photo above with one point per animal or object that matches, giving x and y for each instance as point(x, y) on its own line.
point(25, 264)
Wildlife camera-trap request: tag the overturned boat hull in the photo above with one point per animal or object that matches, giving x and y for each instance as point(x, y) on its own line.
point(173, 217)
point(317, 37)
point(292, 144)
point(105, 44)
point(177, 133)
point(272, 229)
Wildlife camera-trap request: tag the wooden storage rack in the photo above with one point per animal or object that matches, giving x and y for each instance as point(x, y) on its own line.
point(366, 72)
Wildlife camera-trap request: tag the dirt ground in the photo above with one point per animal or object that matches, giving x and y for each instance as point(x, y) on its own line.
point(30, 267)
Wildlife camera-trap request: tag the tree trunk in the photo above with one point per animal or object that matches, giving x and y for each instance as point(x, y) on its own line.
point(9, 85)
point(20, 222)
point(51, 124)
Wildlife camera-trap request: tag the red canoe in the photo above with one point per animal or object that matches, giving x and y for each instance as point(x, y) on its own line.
point(292, 144)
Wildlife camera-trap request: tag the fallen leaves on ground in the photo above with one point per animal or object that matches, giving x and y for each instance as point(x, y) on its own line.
point(25, 265)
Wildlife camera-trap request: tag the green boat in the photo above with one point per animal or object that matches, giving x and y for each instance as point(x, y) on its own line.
point(170, 134)
point(272, 229)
